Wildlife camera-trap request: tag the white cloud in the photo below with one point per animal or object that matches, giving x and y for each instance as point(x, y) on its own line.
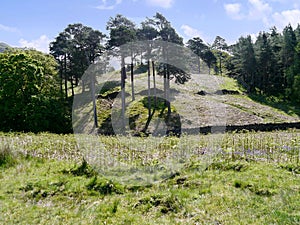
point(8, 29)
point(262, 10)
point(109, 4)
point(283, 18)
point(233, 10)
point(161, 3)
point(259, 10)
point(253, 10)
point(41, 44)
point(190, 32)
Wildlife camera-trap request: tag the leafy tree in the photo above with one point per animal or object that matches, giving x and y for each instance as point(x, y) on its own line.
point(288, 54)
point(167, 33)
point(288, 46)
point(60, 49)
point(122, 31)
point(210, 59)
point(292, 76)
point(199, 48)
point(29, 93)
point(245, 62)
point(265, 63)
point(277, 78)
point(297, 33)
point(148, 33)
point(75, 49)
point(220, 45)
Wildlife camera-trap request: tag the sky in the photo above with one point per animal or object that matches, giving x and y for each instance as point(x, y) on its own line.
point(35, 23)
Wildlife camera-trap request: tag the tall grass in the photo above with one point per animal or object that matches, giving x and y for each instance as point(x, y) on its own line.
point(278, 146)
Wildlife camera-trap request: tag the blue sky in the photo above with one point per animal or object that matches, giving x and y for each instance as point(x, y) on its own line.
point(35, 23)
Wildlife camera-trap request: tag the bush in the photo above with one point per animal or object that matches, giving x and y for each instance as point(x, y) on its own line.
point(30, 98)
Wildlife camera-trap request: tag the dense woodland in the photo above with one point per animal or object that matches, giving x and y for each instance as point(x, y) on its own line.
point(36, 89)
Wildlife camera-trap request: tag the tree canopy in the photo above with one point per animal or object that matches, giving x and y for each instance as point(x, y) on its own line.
point(30, 99)
point(271, 64)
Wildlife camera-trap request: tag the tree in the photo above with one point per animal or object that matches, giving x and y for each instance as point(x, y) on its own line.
point(148, 33)
point(167, 33)
point(288, 56)
point(122, 31)
point(277, 78)
point(245, 62)
point(30, 99)
point(198, 47)
point(75, 49)
point(265, 62)
point(209, 58)
point(220, 45)
point(60, 49)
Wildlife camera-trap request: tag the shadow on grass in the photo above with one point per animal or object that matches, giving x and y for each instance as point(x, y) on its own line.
point(289, 107)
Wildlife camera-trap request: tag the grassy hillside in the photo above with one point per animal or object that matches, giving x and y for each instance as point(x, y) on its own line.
point(253, 179)
point(205, 100)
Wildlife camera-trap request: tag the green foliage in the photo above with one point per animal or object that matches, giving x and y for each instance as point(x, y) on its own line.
point(75, 48)
point(122, 31)
point(29, 93)
point(271, 65)
point(209, 58)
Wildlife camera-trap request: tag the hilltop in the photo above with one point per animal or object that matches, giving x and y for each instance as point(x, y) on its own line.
point(3, 46)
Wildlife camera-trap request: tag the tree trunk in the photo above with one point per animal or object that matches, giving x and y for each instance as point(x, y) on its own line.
point(168, 91)
point(94, 101)
point(149, 89)
point(66, 78)
point(220, 64)
point(123, 77)
point(199, 65)
point(72, 86)
point(61, 77)
point(83, 86)
point(132, 81)
point(154, 84)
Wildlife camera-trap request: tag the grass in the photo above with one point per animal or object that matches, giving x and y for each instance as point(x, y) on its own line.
point(252, 179)
point(231, 84)
point(291, 108)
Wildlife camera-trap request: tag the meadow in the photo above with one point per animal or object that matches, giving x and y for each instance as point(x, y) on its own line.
point(251, 178)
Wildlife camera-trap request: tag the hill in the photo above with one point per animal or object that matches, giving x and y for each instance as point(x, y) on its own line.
point(205, 100)
point(3, 46)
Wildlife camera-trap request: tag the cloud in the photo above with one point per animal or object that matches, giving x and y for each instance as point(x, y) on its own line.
point(283, 18)
point(8, 29)
point(253, 10)
point(233, 10)
point(109, 4)
point(190, 32)
point(161, 3)
point(259, 10)
point(262, 10)
point(41, 44)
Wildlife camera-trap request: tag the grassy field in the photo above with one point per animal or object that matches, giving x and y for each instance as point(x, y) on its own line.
point(252, 178)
